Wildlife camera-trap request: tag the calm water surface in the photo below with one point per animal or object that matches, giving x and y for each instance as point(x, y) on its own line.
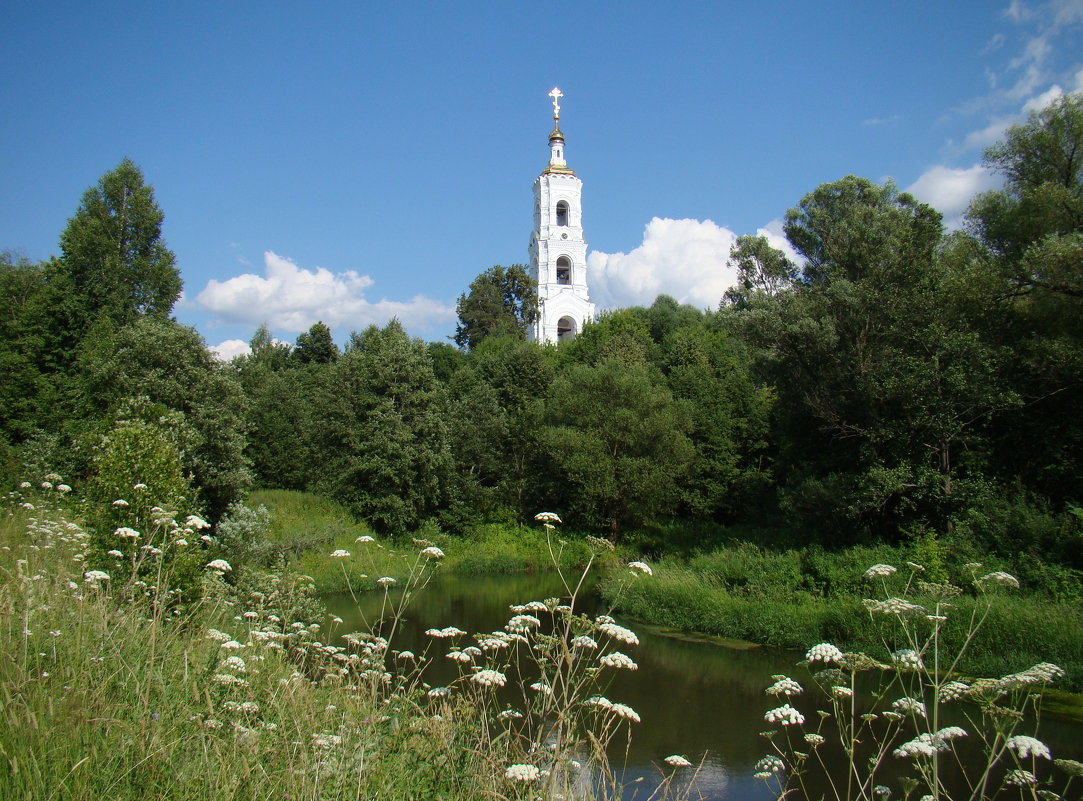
point(696, 697)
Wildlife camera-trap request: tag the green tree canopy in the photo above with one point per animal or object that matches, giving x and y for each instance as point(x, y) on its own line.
point(315, 346)
point(382, 435)
point(502, 301)
point(618, 440)
point(114, 259)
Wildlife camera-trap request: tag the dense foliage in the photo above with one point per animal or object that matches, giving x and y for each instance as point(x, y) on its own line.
point(895, 380)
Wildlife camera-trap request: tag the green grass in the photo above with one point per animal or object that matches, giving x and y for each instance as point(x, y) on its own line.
point(767, 599)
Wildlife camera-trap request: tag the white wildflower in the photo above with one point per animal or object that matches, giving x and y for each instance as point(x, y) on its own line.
point(139, 487)
point(235, 663)
point(1025, 746)
point(814, 739)
point(522, 623)
point(339, 553)
point(127, 533)
point(907, 658)
point(619, 633)
point(439, 692)
point(785, 714)
point(541, 687)
point(641, 567)
point(619, 661)
point(489, 678)
point(232, 645)
point(63, 488)
point(120, 502)
point(115, 553)
point(364, 538)
point(432, 552)
point(952, 691)
point(879, 571)
point(583, 641)
point(220, 636)
point(626, 712)
point(911, 705)
point(94, 576)
point(842, 692)
point(1020, 778)
point(547, 517)
point(770, 764)
point(677, 761)
point(1000, 577)
point(221, 565)
point(824, 652)
point(386, 581)
point(510, 714)
point(521, 773)
point(784, 686)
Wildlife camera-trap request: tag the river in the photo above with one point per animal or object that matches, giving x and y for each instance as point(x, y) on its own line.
point(696, 697)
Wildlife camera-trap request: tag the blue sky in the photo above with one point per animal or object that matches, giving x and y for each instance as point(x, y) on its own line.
point(355, 161)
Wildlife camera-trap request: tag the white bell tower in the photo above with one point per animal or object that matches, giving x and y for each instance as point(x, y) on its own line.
point(558, 252)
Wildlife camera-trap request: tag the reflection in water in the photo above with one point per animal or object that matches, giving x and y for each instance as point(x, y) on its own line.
point(696, 698)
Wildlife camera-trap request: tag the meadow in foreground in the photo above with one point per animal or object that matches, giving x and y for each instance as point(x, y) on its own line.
point(123, 684)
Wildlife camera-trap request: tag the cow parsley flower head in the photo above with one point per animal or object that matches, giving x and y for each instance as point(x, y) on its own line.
point(1020, 778)
point(785, 715)
point(824, 652)
point(120, 502)
point(364, 538)
point(625, 711)
point(677, 761)
point(879, 571)
point(522, 623)
point(784, 686)
point(952, 691)
point(770, 764)
point(339, 553)
point(910, 705)
point(907, 658)
point(1025, 746)
point(432, 552)
point(547, 517)
point(522, 773)
point(127, 533)
point(386, 581)
point(196, 522)
point(619, 661)
point(583, 641)
point(489, 678)
point(619, 633)
point(1000, 577)
point(641, 567)
point(94, 576)
point(221, 565)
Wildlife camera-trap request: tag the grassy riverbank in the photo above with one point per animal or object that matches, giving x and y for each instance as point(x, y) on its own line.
point(117, 686)
point(306, 528)
point(796, 598)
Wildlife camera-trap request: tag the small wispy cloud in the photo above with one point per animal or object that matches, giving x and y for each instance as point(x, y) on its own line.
point(892, 120)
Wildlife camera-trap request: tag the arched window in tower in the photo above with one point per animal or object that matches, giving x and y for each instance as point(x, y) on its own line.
point(562, 213)
point(564, 270)
point(565, 329)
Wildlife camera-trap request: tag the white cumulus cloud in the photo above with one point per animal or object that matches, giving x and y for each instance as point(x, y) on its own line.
point(224, 351)
point(682, 258)
point(291, 298)
point(949, 190)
